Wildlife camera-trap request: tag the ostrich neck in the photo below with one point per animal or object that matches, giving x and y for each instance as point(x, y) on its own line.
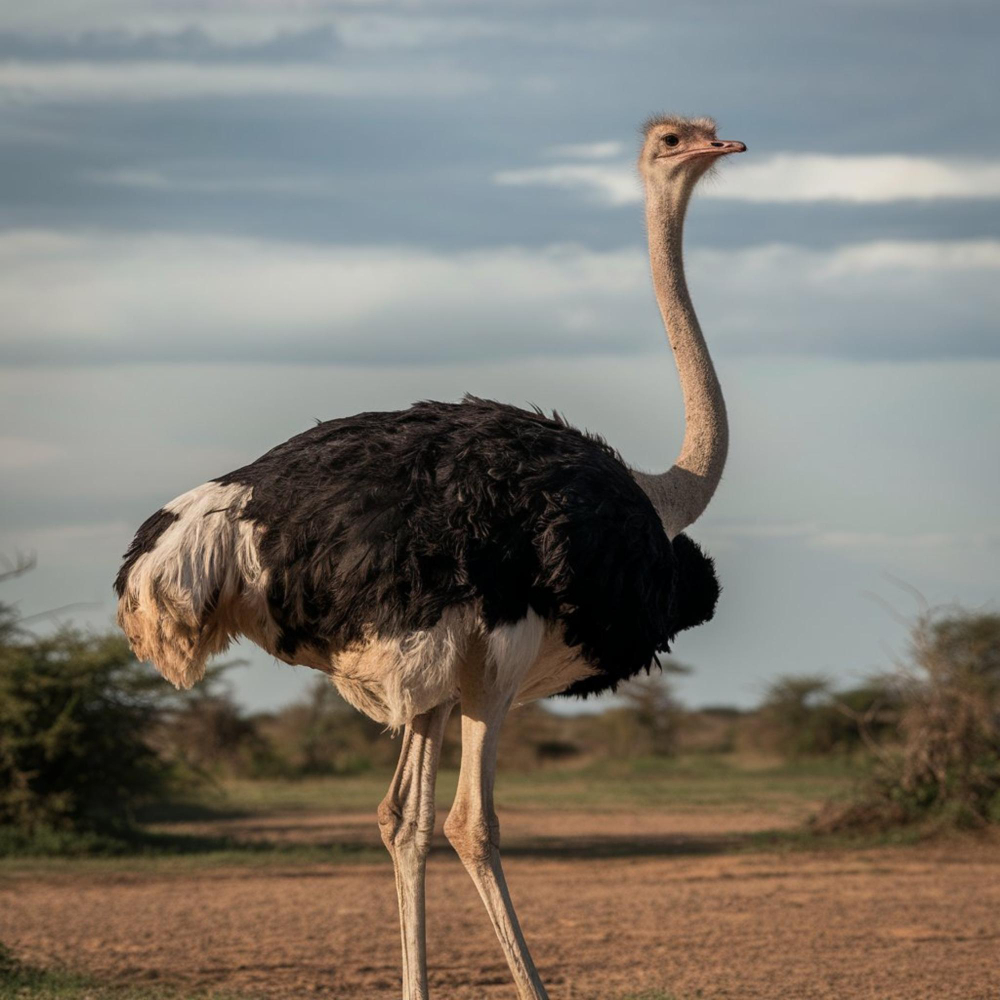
point(681, 494)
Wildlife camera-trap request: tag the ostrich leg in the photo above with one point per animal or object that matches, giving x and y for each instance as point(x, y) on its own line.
point(472, 825)
point(406, 821)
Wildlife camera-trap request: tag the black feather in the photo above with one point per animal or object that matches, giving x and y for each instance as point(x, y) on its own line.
point(381, 521)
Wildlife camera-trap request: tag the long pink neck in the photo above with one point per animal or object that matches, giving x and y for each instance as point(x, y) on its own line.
point(681, 494)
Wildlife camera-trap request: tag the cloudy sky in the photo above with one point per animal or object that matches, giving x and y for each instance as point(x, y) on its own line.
point(220, 220)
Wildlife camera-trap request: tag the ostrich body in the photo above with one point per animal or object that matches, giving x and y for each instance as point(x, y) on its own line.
point(465, 553)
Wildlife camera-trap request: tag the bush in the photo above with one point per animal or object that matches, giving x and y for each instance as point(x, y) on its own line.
point(75, 711)
point(944, 763)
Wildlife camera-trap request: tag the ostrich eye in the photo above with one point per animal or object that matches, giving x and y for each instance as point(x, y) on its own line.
point(670, 139)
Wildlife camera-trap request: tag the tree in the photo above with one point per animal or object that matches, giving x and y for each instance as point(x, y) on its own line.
point(652, 708)
point(792, 719)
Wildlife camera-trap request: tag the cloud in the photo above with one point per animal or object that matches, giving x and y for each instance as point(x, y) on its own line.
point(915, 256)
point(23, 453)
point(384, 25)
point(57, 535)
point(222, 180)
point(879, 542)
point(586, 150)
point(767, 530)
point(89, 297)
point(786, 178)
point(23, 82)
point(792, 177)
point(110, 297)
point(816, 535)
point(878, 300)
point(938, 560)
point(235, 22)
point(184, 44)
point(609, 184)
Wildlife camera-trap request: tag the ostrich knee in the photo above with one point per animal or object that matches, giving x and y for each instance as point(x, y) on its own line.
point(390, 820)
point(402, 831)
point(475, 836)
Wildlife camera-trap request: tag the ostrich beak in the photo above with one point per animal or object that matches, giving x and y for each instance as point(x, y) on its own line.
point(719, 147)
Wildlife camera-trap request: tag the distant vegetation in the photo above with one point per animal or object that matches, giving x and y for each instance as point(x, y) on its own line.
point(941, 760)
point(89, 738)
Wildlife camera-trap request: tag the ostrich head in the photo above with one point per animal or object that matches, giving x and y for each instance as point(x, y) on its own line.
point(677, 152)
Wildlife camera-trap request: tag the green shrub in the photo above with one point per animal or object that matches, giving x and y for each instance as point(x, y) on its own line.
point(75, 713)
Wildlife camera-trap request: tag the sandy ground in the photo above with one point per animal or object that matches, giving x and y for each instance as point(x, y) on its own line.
point(612, 904)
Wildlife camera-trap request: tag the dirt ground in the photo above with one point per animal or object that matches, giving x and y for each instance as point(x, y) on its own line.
point(613, 904)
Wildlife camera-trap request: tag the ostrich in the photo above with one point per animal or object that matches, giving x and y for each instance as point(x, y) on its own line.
point(468, 553)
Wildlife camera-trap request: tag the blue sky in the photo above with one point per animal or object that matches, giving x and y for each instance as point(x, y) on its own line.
point(220, 220)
